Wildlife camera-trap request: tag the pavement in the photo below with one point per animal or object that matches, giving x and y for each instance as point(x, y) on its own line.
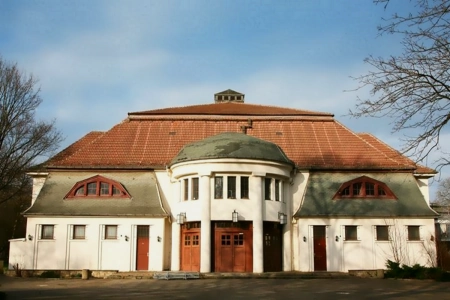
point(218, 288)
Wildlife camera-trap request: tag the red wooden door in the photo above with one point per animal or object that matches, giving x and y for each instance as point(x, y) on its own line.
point(320, 248)
point(233, 247)
point(190, 251)
point(142, 247)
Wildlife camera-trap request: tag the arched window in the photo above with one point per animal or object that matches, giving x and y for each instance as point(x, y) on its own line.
point(364, 187)
point(97, 186)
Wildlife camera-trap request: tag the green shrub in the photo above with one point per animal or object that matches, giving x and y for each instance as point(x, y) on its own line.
point(394, 270)
point(50, 274)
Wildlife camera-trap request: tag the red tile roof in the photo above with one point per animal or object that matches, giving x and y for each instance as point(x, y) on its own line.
point(151, 139)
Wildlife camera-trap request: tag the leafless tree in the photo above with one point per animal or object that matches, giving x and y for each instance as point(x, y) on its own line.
point(443, 192)
point(23, 139)
point(397, 242)
point(413, 88)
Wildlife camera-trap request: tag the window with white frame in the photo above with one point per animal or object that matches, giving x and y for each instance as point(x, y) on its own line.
point(110, 232)
point(382, 232)
point(351, 233)
point(218, 187)
point(273, 189)
point(413, 233)
point(244, 187)
point(190, 188)
point(267, 189)
point(231, 187)
point(78, 232)
point(47, 232)
point(194, 191)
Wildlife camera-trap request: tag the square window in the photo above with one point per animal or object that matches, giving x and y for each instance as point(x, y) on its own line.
point(413, 233)
point(218, 187)
point(195, 188)
point(244, 187)
point(47, 232)
point(110, 232)
point(382, 233)
point(79, 232)
point(351, 233)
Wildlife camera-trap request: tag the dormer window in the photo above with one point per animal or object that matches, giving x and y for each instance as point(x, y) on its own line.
point(364, 187)
point(97, 186)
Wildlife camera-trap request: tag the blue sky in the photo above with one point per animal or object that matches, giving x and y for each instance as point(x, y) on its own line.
point(98, 60)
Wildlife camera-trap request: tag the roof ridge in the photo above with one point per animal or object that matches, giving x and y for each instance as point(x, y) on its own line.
point(174, 110)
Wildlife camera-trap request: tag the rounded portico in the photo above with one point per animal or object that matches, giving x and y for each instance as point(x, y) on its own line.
point(232, 199)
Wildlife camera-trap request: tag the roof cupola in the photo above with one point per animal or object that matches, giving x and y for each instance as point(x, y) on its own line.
point(229, 96)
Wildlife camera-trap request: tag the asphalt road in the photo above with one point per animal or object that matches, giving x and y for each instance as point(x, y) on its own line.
point(352, 288)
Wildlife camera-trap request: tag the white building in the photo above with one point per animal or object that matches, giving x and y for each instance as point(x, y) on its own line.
point(227, 187)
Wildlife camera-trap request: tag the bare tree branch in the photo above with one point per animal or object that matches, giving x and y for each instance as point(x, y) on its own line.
point(413, 88)
point(23, 139)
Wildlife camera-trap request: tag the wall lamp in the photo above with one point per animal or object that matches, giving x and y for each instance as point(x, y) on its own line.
point(181, 218)
point(30, 237)
point(159, 239)
point(234, 216)
point(282, 217)
point(336, 238)
point(126, 238)
point(304, 239)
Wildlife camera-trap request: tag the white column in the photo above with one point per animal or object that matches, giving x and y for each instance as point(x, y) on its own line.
point(287, 229)
point(257, 198)
point(176, 231)
point(205, 238)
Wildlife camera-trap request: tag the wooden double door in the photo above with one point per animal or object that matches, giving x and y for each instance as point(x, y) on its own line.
point(190, 247)
point(233, 246)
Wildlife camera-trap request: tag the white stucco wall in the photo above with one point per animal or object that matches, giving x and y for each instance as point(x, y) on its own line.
point(366, 252)
point(93, 252)
point(423, 183)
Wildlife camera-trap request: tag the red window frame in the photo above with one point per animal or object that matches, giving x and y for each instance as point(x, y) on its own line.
point(356, 188)
point(113, 187)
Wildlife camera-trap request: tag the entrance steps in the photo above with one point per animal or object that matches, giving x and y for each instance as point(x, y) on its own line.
point(176, 275)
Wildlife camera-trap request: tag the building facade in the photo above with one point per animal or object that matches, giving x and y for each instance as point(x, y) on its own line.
point(227, 187)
